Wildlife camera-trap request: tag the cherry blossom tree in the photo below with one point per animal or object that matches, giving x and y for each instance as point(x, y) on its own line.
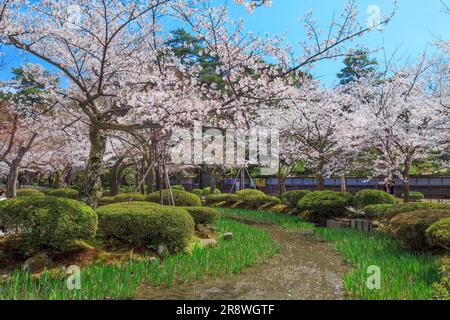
point(400, 118)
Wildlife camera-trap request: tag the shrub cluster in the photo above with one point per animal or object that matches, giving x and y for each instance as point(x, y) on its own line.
point(145, 224)
point(415, 196)
point(123, 197)
point(29, 193)
point(181, 198)
point(442, 288)
point(64, 193)
point(411, 227)
point(438, 234)
point(387, 212)
point(48, 223)
point(292, 198)
point(178, 187)
point(201, 215)
point(369, 197)
point(318, 206)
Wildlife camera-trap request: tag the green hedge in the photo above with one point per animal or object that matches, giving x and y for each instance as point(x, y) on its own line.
point(29, 193)
point(178, 187)
point(48, 223)
point(320, 205)
point(367, 197)
point(123, 197)
point(201, 215)
point(249, 193)
point(198, 192)
point(416, 196)
point(64, 193)
point(377, 211)
point(293, 197)
point(181, 198)
point(438, 234)
point(207, 191)
point(255, 201)
point(146, 224)
point(410, 227)
point(390, 211)
point(230, 199)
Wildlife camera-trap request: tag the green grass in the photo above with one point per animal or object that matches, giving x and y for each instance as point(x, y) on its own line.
point(248, 247)
point(405, 275)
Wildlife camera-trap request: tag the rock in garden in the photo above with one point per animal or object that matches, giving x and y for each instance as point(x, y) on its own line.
point(228, 236)
point(38, 263)
point(210, 243)
point(162, 251)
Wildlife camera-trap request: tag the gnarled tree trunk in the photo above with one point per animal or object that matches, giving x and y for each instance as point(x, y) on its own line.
point(13, 174)
point(91, 187)
point(114, 180)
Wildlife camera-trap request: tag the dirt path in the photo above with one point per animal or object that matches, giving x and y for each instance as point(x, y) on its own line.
point(305, 269)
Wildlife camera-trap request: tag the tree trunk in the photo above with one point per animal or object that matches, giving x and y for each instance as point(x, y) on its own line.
point(91, 187)
point(320, 182)
point(343, 183)
point(11, 191)
point(213, 181)
point(406, 170)
point(114, 183)
point(150, 181)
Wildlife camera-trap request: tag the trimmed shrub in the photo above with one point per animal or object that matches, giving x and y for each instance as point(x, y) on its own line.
point(442, 288)
point(438, 234)
point(409, 207)
point(293, 197)
point(198, 192)
point(103, 201)
point(228, 198)
point(207, 191)
point(178, 187)
point(181, 198)
point(253, 202)
point(64, 193)
point(320, 205)
point(367, 197)
point(48, 223)
point(415, 196)
point(145, 224)
point(377, 211)
point(203, 215)
point(280, 208)
point(29, 193)
point(348, 198)
point(125, 197)
point(250, 192)
point(410, 227)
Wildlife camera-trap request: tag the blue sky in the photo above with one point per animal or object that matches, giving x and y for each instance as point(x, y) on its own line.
point(413, 29)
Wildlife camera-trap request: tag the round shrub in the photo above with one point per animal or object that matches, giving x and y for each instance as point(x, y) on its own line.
point(203, 215)
point(348, 198)
point(253, 202)
point(126, 197)
point(217, 198)
point(146, 224)
point(29, 193)
point(198, 192)
point(178, 187)
point(367, 197)
point(438, 234)
point(293, 197)
point(48, 223)
point(250, 192)
point(181, 198)
point(320, 205)
point(394, 210)
point(410, 227)
point(207, 191)
point(377, 211)
point(415, 196)
point(64, 193)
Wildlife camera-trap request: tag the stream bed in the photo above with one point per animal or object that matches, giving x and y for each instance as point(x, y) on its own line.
point(305, 269)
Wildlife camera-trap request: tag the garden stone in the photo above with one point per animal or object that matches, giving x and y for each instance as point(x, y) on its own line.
point(162, 251)
point(210, 243)
point(38, 263)
point(228, 236)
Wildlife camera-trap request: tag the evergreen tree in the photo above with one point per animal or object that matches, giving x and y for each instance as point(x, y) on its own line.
point(356, 66)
